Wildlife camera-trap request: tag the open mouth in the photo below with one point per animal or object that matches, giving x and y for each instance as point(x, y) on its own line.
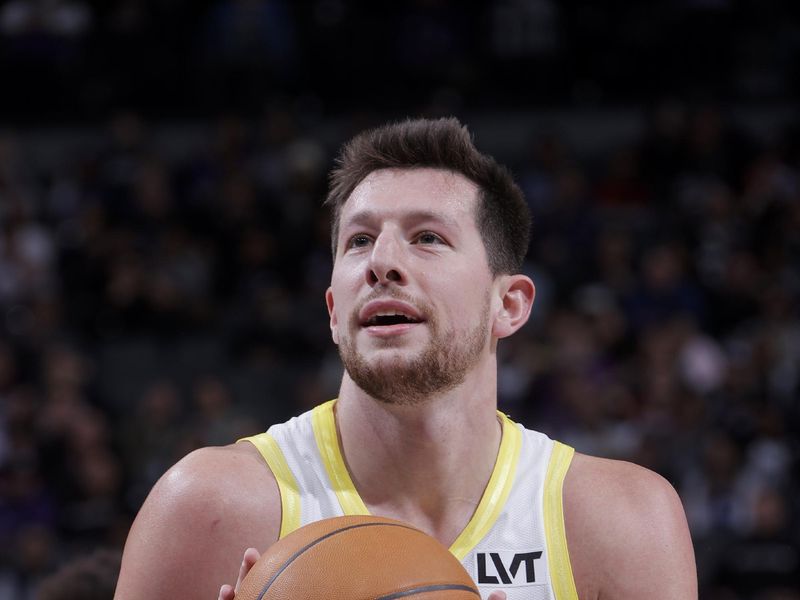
point(389, 317)
point(385, 320)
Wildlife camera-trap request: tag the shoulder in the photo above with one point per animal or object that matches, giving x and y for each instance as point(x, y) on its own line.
point(626, 532)
point(229, 482)
point(195, 524)
point(236, 464)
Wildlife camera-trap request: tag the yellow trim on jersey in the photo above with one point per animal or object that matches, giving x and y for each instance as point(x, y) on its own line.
point(561, 578)
point(496, 492)
point(287, 484)
point(324, 425)
point(492, 501)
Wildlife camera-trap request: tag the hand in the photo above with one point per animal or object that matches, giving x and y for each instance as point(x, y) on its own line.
point(226, 592)
point(497, 596)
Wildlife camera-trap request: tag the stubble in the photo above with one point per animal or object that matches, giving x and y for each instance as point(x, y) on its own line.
point(441, 366)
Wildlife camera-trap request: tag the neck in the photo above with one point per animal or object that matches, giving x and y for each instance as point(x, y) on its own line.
point(428, 463)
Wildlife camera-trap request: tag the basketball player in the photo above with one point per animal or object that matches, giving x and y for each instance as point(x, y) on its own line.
point(428, 236)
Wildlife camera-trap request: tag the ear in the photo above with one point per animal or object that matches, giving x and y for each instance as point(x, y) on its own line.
point(516, 293)
point(332, 314)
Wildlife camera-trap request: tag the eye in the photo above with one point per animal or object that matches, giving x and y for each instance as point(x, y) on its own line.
point(428, 237)
point(359, 240)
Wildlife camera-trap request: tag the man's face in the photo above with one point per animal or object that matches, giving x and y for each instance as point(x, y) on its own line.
point(410, 292)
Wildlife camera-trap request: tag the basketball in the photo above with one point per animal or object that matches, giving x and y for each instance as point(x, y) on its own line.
point(358, 558)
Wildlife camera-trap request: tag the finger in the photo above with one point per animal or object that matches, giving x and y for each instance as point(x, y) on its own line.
point(497, 596)
point(225, 593)
point(251, 555)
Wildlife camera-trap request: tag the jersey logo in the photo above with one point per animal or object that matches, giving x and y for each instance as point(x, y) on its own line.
point(509, 568)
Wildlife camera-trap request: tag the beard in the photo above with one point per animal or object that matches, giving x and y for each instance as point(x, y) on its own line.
point(441, 366)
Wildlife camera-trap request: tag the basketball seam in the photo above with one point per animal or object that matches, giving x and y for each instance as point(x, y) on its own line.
point(289, 561)
point(428, 588)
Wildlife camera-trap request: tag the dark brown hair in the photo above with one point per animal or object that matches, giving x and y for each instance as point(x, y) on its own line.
point(502, 215)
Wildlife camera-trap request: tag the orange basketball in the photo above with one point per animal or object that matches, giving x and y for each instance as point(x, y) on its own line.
point(358, 558)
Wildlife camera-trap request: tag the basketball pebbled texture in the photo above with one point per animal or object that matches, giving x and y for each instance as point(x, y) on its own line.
point(358, 558)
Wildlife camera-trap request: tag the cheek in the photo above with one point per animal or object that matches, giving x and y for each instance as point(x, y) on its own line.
point(462, 308)
point(346, 278)
point(471, 304)
point(344, 305)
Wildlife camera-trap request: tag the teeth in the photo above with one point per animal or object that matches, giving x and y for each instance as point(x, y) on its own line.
point(373, 320)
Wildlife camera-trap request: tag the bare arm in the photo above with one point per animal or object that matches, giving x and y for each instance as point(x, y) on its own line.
point(191, 532)
point(627, 533)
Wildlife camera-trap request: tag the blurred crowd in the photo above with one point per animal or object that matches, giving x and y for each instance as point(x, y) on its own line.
point(154, 300)
point(71, 60)
point(161, 279)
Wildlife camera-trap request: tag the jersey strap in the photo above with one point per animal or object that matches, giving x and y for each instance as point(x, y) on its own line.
point(496, 492)
point(287, 484)
point(561, 577)
point(491, 503)
point(324, 424)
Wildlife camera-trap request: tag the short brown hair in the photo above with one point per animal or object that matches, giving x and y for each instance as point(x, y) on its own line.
point(502, 215)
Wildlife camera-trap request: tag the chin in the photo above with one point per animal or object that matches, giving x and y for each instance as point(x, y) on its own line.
point(390, 361)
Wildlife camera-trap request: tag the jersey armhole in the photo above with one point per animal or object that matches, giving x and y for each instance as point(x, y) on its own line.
point(287, 484)
point(561, 577)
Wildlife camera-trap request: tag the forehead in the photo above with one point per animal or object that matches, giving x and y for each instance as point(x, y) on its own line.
point(399, 191)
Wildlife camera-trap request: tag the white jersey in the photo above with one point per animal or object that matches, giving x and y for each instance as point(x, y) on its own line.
point(515, 540)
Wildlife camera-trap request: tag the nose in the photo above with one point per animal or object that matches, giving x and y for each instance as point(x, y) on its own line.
point(385, 261)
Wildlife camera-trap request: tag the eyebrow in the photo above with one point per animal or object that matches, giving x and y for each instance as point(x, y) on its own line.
point(367, 217)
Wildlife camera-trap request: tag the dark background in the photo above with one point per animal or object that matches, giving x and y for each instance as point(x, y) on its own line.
point(163, 253)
